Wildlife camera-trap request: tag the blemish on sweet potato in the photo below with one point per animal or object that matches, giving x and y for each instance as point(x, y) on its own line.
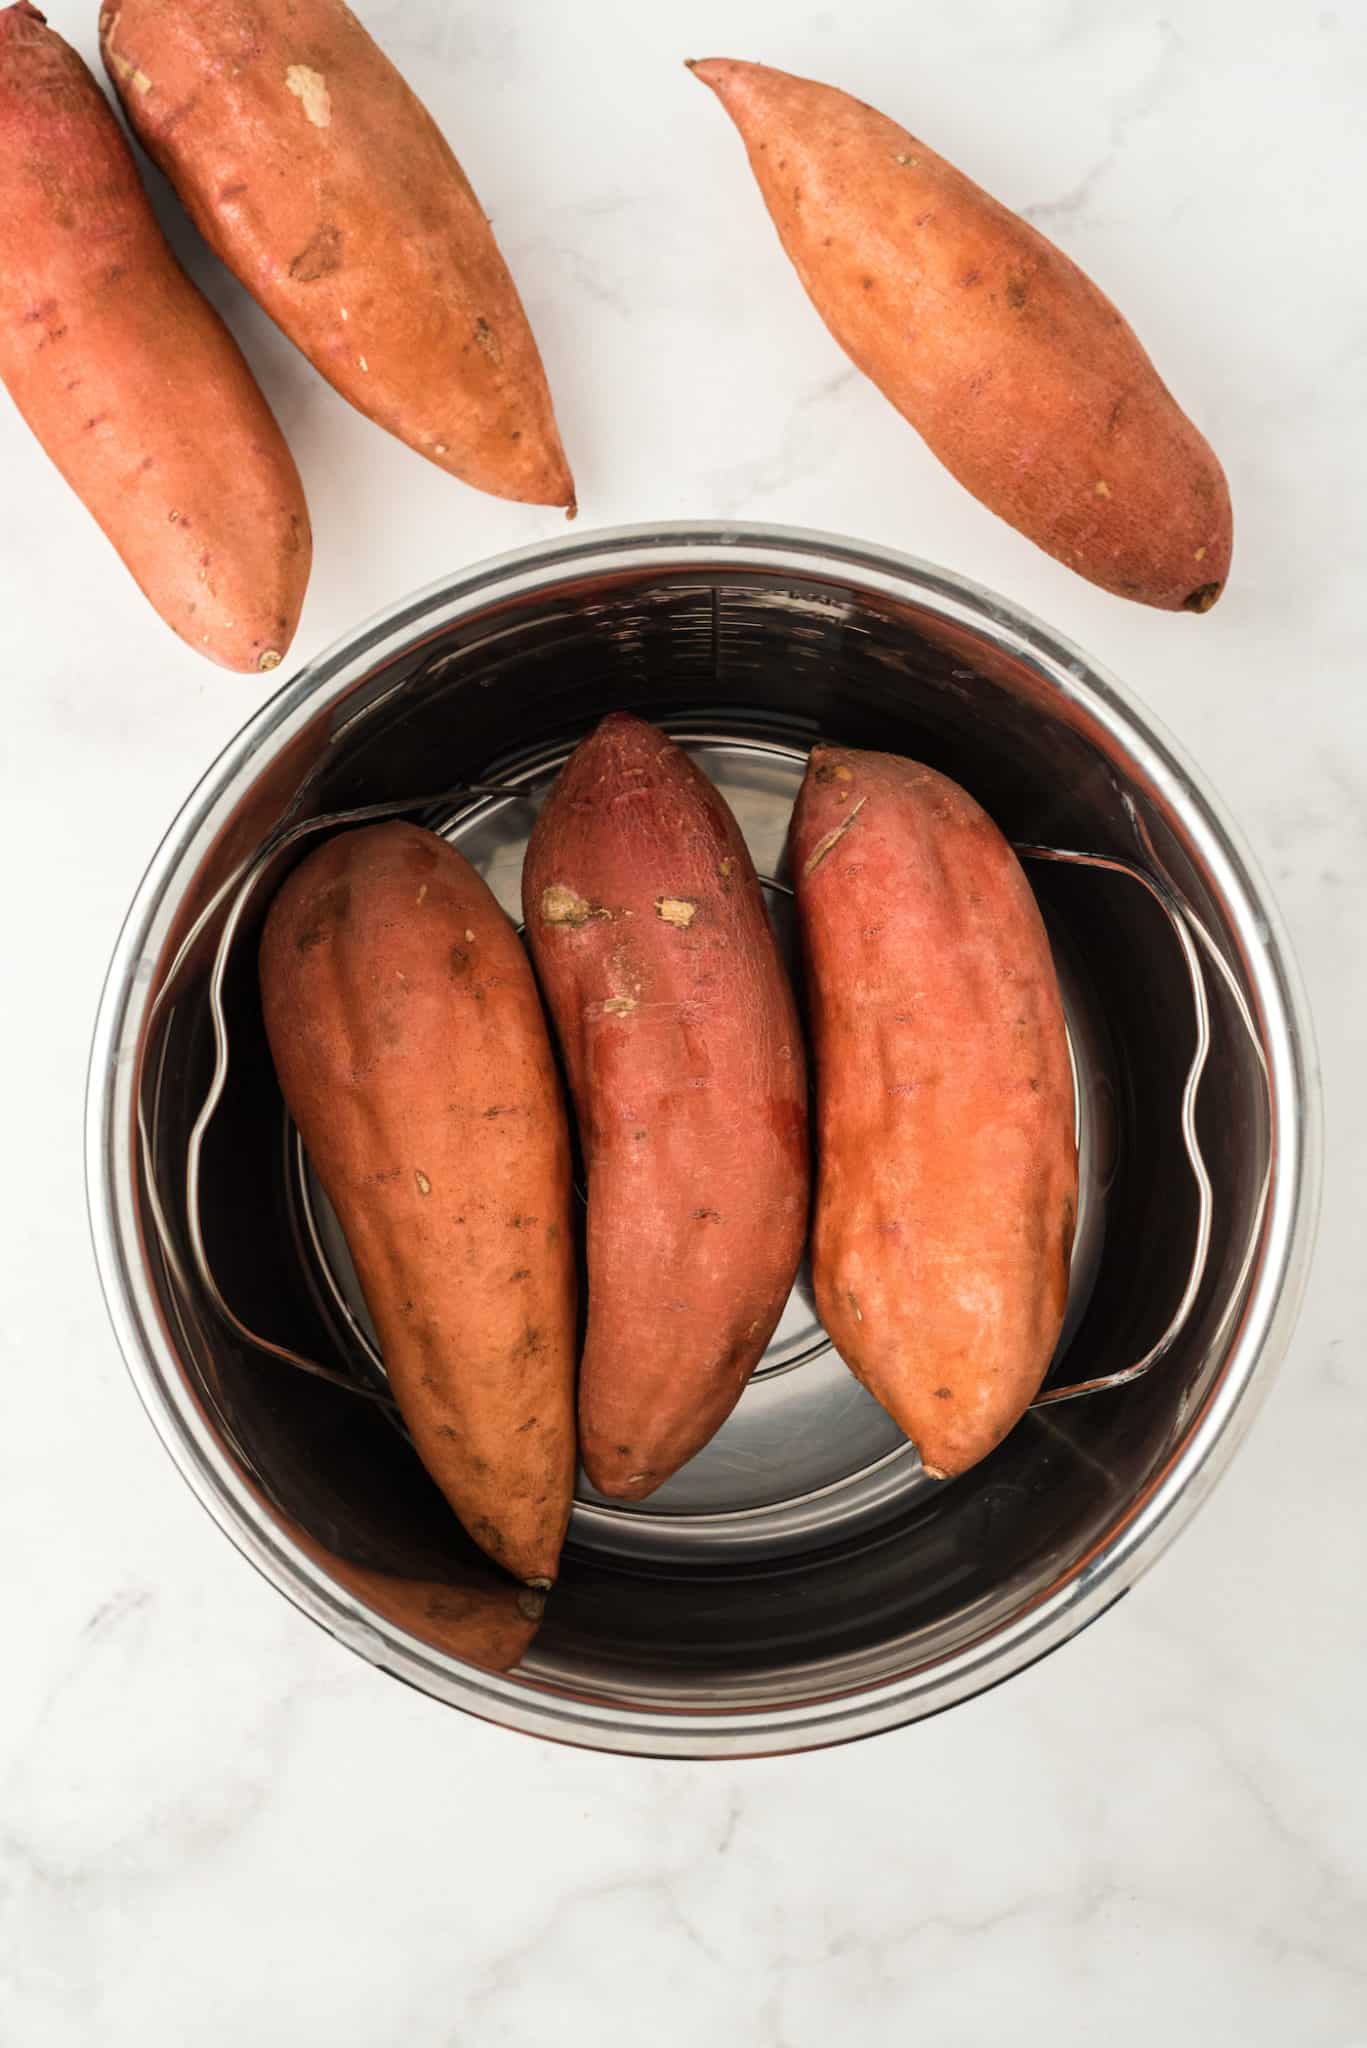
point(424, 1184)
point(319, 257)
point(562, 905)
point(832, 838)
point(676, 910)
point(310, 89)
point(333, 907)
point(128, 73)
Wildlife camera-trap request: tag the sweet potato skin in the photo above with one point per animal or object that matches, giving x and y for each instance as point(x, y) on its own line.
point(409, 1042)
point(127, 376)
point(1019, 374)
point(946, 1155)
point(321, 180)
point(681, 1039)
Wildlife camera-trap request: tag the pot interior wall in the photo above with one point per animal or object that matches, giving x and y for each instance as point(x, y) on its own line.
point(726, 1622)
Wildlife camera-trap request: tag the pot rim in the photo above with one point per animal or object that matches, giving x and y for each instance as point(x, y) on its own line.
point(1151, 1521)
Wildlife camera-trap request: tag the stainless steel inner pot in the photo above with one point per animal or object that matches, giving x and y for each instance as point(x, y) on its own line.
point(801, 1582)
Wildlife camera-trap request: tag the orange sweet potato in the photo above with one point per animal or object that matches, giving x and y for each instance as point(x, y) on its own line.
point(946, 1159)
point(1016, 371)
point(322, 181)
point(408, 1038)
point(653, 947)
point(128, 377)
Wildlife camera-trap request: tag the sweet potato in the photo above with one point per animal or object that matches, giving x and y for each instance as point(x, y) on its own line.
point(322, 181)
point(681, 1039)
point(946, 1159)
point(1016, 371)
point(411, 1049)
point(128, 377)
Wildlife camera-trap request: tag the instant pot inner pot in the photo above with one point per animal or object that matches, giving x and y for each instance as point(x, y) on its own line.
point(804, 1552)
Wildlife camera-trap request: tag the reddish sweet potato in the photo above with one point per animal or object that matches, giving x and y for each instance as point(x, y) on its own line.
point(322, 181)
point(128, 377)
point(679, 1031)
point(1016, 371)
point(946, 1161)
point(410, 1045)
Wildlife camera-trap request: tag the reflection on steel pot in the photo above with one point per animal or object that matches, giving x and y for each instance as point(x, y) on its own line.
point(802, 1581)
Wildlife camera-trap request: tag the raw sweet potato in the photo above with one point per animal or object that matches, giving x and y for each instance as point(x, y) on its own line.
point(651, 939)
point(946, 1160)
point(128, 377)
point(322, 181)
point(411, 1049)
point(1016, 371)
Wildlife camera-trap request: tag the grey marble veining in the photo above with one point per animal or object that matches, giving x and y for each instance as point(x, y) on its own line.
point(216, 1826)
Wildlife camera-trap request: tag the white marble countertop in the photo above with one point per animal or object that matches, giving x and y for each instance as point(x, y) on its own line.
point(216, 1824)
